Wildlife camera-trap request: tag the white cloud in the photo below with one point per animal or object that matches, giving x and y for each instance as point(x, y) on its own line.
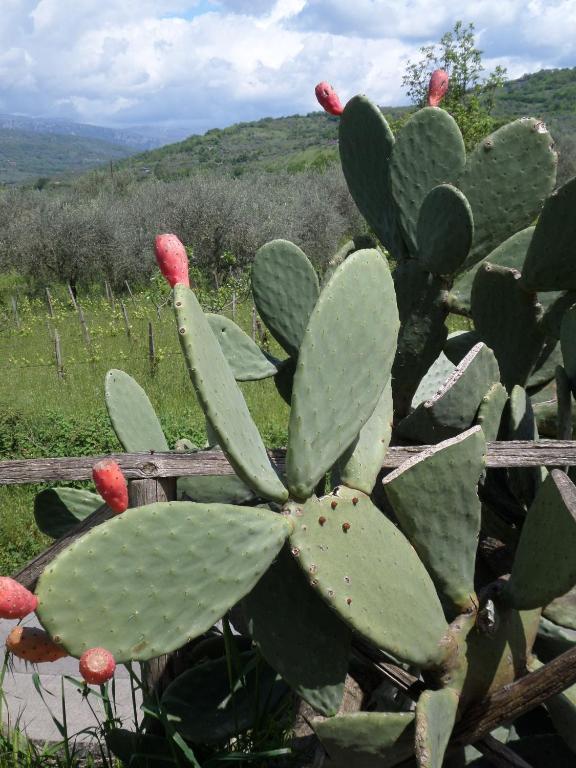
point(202, 63)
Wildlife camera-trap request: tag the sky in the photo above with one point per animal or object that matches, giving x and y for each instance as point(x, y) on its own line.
point(192, 65)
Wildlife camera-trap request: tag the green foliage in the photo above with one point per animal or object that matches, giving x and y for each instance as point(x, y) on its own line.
point(471, 94)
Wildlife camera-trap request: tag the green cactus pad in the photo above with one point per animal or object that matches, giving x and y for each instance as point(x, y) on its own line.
point(437, 374)
point(244, 356)
point(367, 739)
point(490, 411)
point(562, 610)
point(459, 343)
point(523, 481)
point(423, 332)
point(564, 397)
point(498, 302)
point(545, 366)
point(445, 230)
point(545, 567)
point(435, 718)
point(510, 253)
point(58, 510)
point(550, 264)
point(429, 151)
point(453, 408)
point(285, 289)
point(500, 204)
point(133, 418)
point(284, 380)
point(495, 657)
point(222, 400)
point(365, 143)
point(361, 465)
point(190, 563)
point(553, 639)
point(204, 710)
point(343, 366)
point(214, 489)
point(281, 610)
point(443, 526)
point(568, 345)
point(140, 750)
point(555, 304)
point(369, 573)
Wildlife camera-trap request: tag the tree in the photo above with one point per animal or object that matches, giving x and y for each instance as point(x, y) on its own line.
point(471, 94)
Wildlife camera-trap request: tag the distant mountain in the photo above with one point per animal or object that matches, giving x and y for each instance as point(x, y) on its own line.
point(147, 139)
point(27, 156)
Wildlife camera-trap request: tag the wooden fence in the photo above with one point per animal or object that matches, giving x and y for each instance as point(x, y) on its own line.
point(152, 477)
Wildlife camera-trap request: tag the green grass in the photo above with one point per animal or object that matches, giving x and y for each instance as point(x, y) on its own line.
point(43, 415)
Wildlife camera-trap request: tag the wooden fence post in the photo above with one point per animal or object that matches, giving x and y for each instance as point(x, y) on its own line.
point(126, 320)
point(233, 305)
point(84, 325)
point(72, 297)
point(58, 353)
point(254, 325)
point(15, 311)
point(50, 305)
point(151, 349)
point(129, 291)
point(156, 673)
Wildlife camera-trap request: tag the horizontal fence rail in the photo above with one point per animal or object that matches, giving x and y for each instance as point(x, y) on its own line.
point(143, 466)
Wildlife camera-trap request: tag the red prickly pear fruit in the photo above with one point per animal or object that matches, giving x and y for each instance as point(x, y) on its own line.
point(97, 666)
point(437, 87)
point(328, 98)
point(172, 259)
point(16, 601)
point(111, 484)
point(34, 645)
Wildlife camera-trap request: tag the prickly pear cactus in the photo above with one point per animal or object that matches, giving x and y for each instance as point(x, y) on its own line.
point(398, 564)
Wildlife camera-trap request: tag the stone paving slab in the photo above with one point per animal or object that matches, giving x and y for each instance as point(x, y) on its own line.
point(24, 705)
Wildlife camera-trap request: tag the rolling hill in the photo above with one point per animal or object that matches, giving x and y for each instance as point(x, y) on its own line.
point(271, 144)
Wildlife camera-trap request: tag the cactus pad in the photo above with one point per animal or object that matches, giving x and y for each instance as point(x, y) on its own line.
point(204, 710)
point(453, 408)
point(365, 143)
point(222, 400)
point(459, 343)
point(498, 301)
point(545, 567)
point(510, 253)
point(435, 717)
point(343, 366)
point(562, 610)
point(281, 610)
point(568, 345)
point(244, 356)
point(191, 562)
point(490, 411)
point(443, 525)
point(429, 150)
point(445, 230)
point(133, 418)
point(58, 510)
point(214, 489)
point(367, 739)
point(285, 290)
point(500, 204)
point(367, 571)
point(362, 464)
point(437, 374)
point(549, 264)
